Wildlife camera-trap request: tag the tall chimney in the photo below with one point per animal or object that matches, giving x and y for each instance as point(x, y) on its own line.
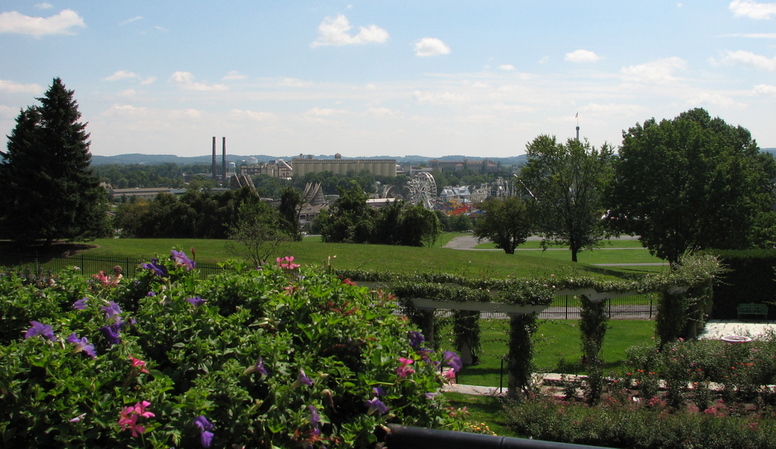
point(213, 168)
point(223, 158)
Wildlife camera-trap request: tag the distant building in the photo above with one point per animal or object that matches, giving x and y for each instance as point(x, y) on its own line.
point(481, 165)
point(338, 166)
point(145, 193)
point(276, 169)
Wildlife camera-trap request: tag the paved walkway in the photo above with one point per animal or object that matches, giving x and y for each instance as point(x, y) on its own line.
point(715, 329)
point(468, 243)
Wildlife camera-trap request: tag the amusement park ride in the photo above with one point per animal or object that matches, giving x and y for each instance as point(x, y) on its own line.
point(422, 189)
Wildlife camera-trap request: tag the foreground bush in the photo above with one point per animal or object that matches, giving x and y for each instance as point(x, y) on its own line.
point(278, 357)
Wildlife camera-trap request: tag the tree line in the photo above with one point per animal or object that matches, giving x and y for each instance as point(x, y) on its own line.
point(686, 184)
point(681, 184)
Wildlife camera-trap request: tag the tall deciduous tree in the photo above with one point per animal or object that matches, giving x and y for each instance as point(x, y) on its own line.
point(505, 222)
point(690, 183)
point(566, 184)
point(49, 190)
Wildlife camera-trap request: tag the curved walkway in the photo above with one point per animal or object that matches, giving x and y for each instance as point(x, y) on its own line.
point(469, 242)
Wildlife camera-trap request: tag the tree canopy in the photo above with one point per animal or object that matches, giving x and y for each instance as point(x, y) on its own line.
point(690, 183)
point(351, 220)
point(565, 186)
point(50, 191)
point(505, 222)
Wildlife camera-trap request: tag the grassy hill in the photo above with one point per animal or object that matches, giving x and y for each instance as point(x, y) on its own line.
point(311, 251)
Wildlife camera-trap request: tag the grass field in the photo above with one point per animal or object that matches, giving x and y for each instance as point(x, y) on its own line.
point(311, 251)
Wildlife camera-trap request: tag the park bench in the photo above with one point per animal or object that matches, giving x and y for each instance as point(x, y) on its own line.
point(752, 309)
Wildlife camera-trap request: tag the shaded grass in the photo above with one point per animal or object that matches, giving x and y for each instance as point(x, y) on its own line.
point(483, 409)
point(557, 348)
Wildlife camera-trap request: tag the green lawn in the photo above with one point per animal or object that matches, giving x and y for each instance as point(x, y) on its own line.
point(311, 251)
point(557, 348)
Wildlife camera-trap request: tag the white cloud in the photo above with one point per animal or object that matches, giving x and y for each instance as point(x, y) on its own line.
point(129, 93)
point(11, 87)
point(62, 23)
point(44, 6)
point(335, 31)
point(124, 74)
point(133, 19)
point(8, 113)
point(431, 46)
point(185, 80)
point(382, 112)
point(748, 59)
point(611, 109)
point(659, 71)
point(242, 114)
point(324, 112)
point(582, 56)
point(765, 89)
point(752, 10)
point(714, 99)
point(443, 98)
point(121, 75)
point(234, 75)
point(506, 67)
point(754, 35)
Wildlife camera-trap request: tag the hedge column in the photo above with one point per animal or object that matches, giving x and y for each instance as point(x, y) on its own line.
point(521, 329)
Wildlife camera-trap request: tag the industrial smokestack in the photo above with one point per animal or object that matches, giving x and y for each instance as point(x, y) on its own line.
point(223, 158)
point(213, 168)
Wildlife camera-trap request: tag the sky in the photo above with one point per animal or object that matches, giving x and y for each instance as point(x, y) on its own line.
point(386, 78)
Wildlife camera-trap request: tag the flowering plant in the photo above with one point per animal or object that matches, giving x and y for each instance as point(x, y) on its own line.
point(171, 360)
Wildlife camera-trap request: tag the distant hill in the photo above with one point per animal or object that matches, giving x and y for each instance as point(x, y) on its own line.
point(155, 159)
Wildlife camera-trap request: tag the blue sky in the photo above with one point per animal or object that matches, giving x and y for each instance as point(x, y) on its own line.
point(387, 78)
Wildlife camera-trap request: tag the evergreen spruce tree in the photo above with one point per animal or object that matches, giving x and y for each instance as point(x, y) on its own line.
point(50, 192)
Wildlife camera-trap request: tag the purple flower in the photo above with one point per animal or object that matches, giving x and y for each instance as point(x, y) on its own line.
point(379, 391)
point(111, 333)
point(196, 301)
point(205, 436)
point(44, 330)
point(260, 368)
point(302, 380)
point(80, 304)
point(315, 419)
point(151, 294)
point(181, 260)
point(112, 310)
point(416, 339)
point(81, 344)
point(452, 360)
point(376, 405)
point(158, 269)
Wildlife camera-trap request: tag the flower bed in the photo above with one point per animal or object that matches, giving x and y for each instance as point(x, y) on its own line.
point(282, 356)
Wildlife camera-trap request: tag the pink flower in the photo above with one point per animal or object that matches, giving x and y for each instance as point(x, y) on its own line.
point(102, 277)
point(287, 263)
point(129, 416)
point(139, 365)
point(404, 370)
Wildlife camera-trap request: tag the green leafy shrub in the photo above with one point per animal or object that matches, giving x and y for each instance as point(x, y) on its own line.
point(632, 425)
point(282, 356)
